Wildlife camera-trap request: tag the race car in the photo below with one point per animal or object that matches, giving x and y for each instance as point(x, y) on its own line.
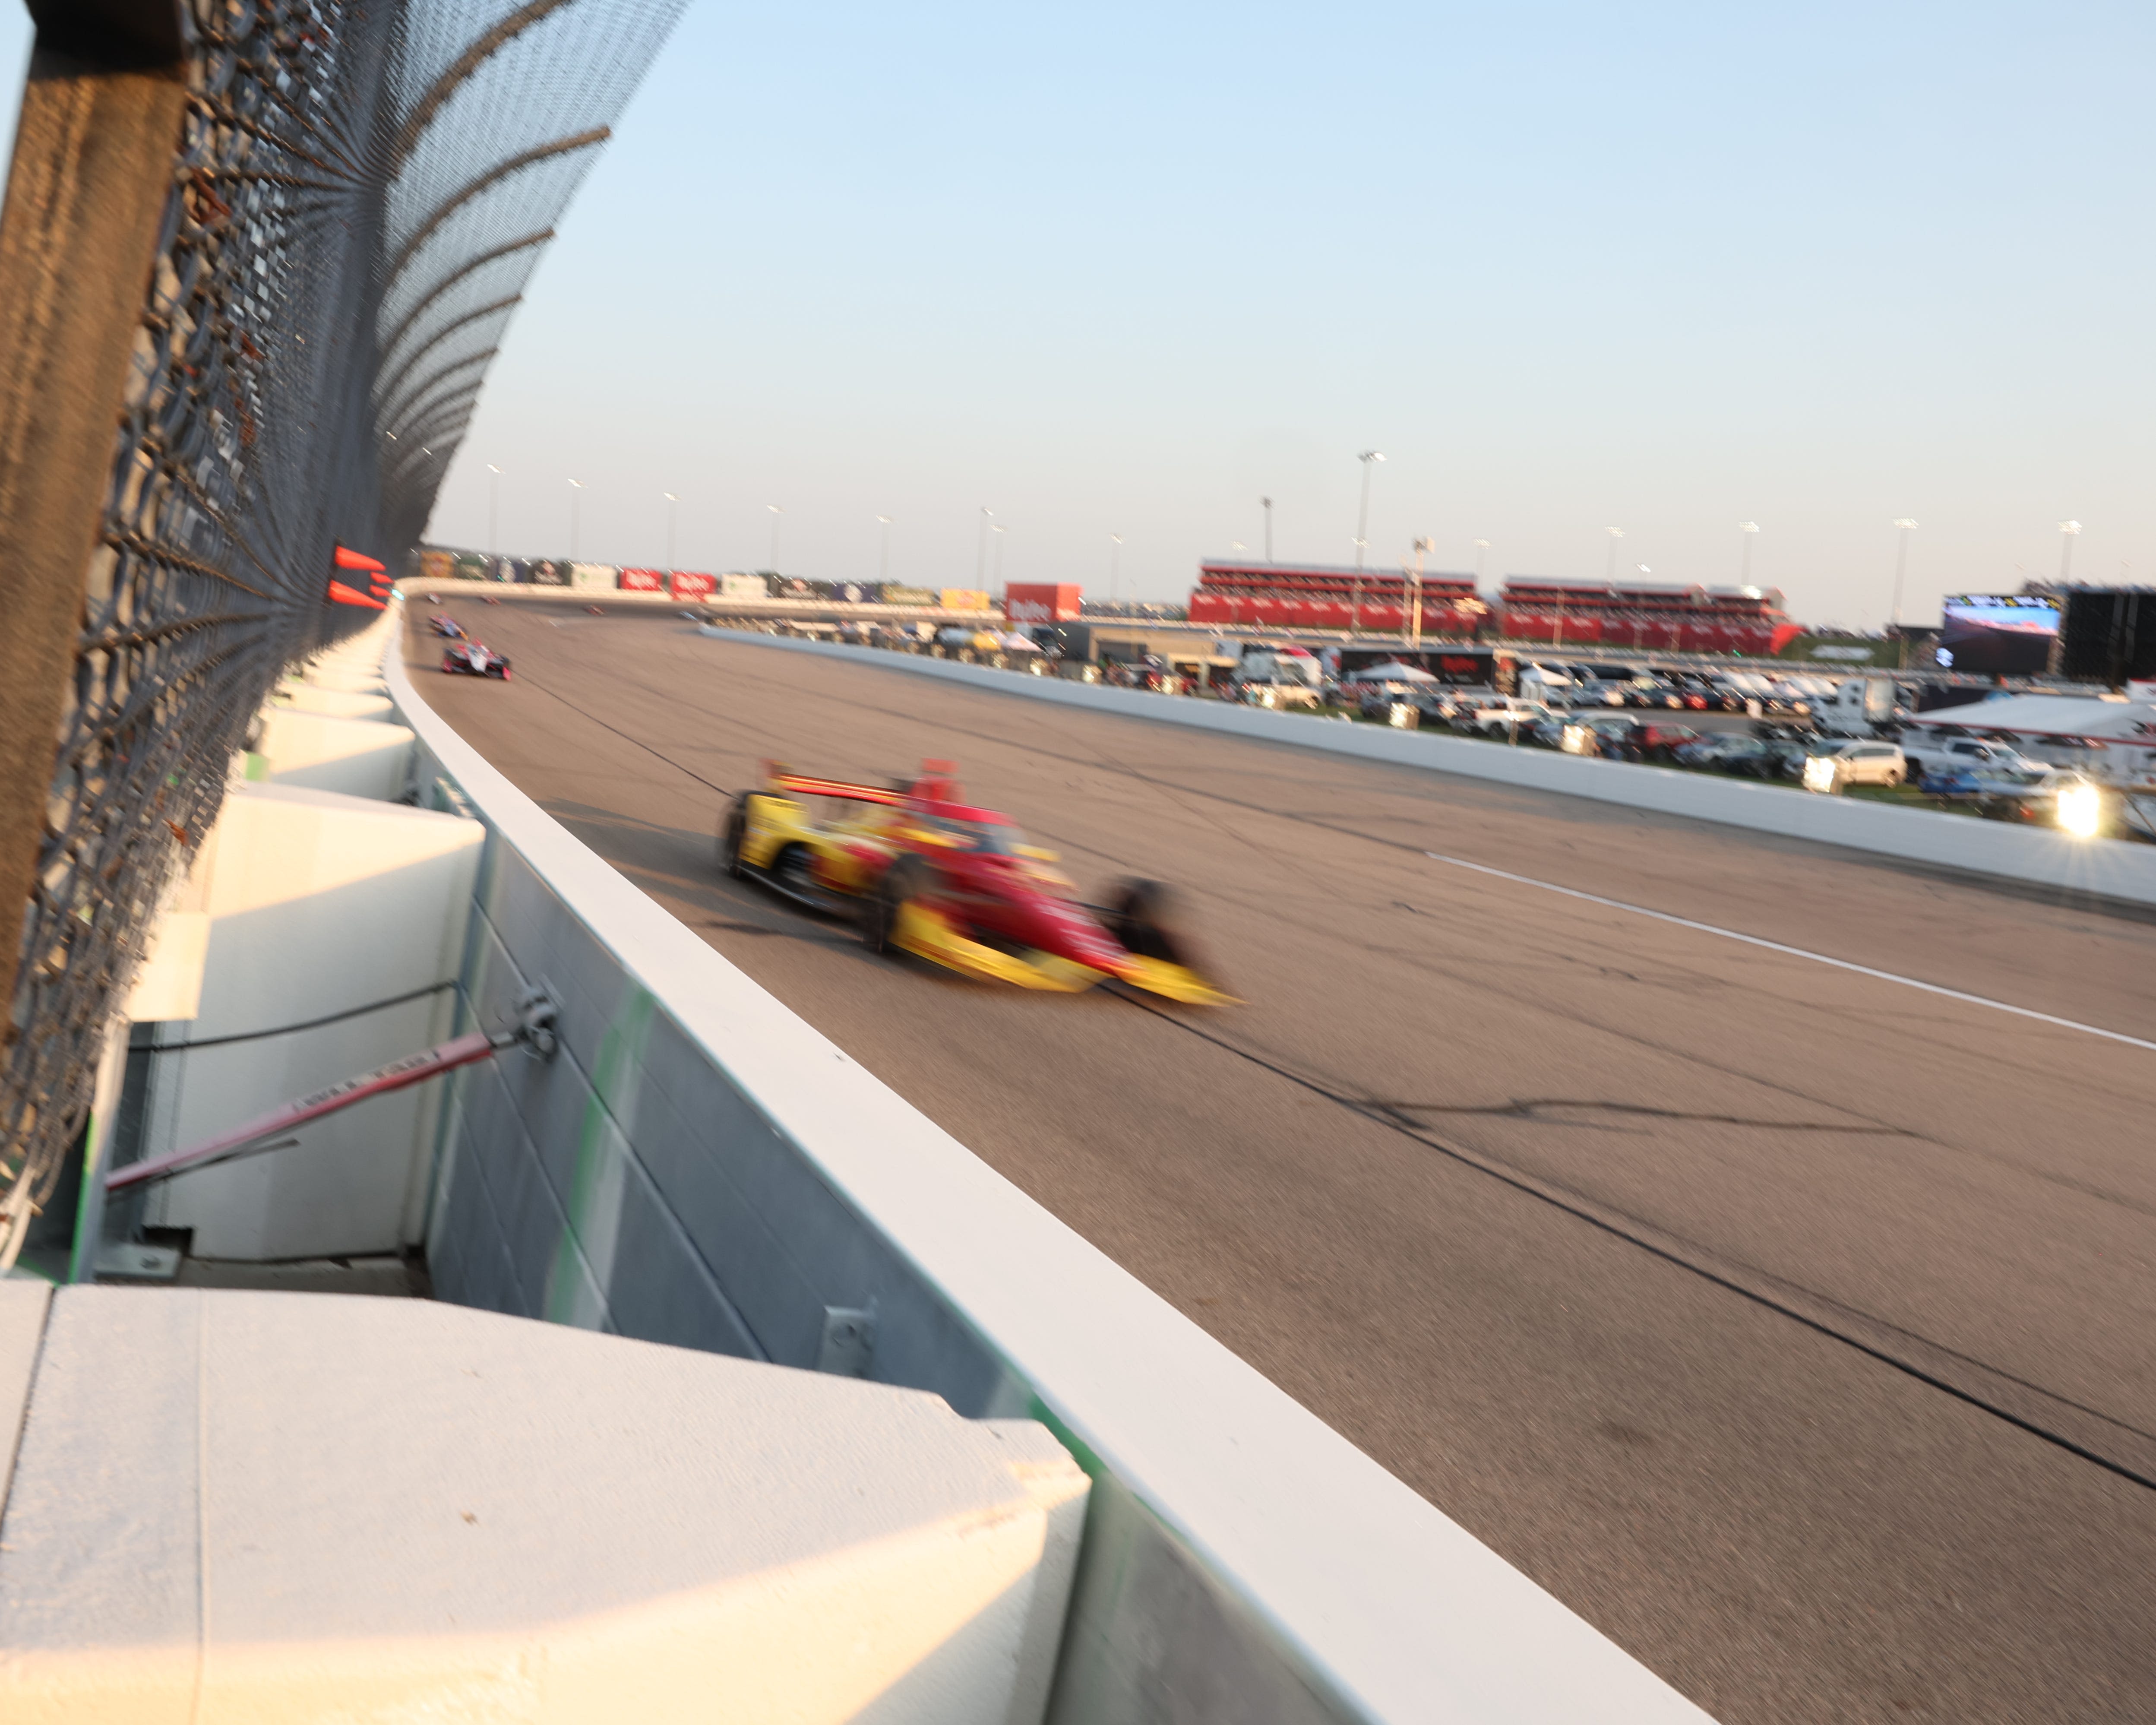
point(925, 872)
point(474, 659)
point(446, 626)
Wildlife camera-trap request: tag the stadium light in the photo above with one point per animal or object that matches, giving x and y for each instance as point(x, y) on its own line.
point(883, 560)
point(1744, 570)
point(575, 499)
point(2067, 532)
point(1369, 459)
point(1901, 568)
point(493, 510)
point(1609, 564)
point(673, 504)
point(776, 512)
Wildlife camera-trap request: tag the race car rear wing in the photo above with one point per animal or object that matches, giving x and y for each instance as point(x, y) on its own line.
point(778, 780)
point(935, 784)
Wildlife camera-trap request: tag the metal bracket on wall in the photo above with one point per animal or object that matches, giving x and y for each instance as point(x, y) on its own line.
point(848, 1347)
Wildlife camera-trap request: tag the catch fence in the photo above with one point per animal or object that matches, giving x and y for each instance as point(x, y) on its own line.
point(339, 205)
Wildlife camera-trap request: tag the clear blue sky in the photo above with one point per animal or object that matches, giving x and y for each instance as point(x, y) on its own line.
point(1123, 268)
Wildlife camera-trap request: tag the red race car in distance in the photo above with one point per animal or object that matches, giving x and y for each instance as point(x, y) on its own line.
point(925, 872)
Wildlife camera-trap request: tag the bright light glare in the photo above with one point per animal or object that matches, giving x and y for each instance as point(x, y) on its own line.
point(2080, 810)
point(1819, 771)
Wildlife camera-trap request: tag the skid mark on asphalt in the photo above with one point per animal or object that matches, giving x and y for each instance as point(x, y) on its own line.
point(2094, 1436)
point(1540, 1108)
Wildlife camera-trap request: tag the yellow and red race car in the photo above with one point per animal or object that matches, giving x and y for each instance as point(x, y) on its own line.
point(926, 873)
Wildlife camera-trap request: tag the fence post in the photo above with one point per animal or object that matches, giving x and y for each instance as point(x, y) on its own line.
point(86, 192)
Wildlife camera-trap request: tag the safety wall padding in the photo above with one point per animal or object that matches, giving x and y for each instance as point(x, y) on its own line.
point(337, 1507)
point(344, 916)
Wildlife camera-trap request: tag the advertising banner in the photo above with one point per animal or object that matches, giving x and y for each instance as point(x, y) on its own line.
point(511, 569)
point(470, 566)
point(744, 586)
point(963, 598)
point(1040, 603)
point(545, 572)
point(792, 586)
point(892, 593)
point(593, 575)
point(689, 584)
point(643, 580)
point(437, 565)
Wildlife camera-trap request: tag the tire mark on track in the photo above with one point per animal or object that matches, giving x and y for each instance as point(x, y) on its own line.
point(2094, 1436)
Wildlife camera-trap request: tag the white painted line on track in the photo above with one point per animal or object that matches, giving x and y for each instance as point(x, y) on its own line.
point(1754, 940)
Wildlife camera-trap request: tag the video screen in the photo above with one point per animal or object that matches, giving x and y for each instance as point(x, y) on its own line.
point(2002, 634)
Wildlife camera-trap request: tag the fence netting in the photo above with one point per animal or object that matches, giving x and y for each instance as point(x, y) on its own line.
point(358, 195)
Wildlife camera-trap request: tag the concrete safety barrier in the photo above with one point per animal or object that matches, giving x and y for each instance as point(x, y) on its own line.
point(2113, 868)
point(697, 1165)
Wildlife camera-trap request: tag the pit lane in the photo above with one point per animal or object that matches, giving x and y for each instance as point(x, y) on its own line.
point(1789, 1325)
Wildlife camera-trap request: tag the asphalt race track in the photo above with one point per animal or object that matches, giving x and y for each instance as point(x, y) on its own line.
point(1791, 1324)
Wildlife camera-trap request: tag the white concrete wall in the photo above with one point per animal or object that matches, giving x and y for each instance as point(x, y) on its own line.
point(306, 697)
point(2110, 868)
point(355, 757)
point(316, 906)
point(250, 1507)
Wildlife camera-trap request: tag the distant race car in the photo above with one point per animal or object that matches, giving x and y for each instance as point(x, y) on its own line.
point(446, 626)
point(924, 872)
point(474, 659)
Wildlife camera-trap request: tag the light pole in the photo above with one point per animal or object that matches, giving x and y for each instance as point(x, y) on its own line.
point(1115, 564)
point(1480, 546)
point(1422, 548)
point(1369, 459)
point(2068, 532)
point(1749, 529)
point(1267, 503)
point(673, 504)
point(1000, 530)
point(981, 551)
point(1901, 566)
point(493, 510)
point(883, 559)
point(1609, 565)
point(776, 512)
point(1638, 622)
point(575, 499)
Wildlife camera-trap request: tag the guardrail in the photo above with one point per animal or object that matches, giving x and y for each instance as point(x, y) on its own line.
point(700, 1166)
point(2106, 868)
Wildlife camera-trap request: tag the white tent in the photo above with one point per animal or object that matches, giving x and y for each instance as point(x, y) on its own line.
point(1391, 671)
point(2115, 740)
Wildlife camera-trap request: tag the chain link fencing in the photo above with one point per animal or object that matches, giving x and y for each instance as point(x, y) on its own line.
point(359, 196)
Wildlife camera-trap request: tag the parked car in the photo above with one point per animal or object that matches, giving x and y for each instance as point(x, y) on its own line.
point(1652, 692)
point(1928, 754)
point(1658, 740)
point(1609, 737)
point(1498, 715)
point(1857, 763)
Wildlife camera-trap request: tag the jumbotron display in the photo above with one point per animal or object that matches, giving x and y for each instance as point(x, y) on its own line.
point(2004, 635)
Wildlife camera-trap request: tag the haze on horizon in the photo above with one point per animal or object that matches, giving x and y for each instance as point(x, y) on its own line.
point(1126, 270)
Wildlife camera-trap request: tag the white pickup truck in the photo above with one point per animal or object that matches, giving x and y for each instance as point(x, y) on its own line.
point(1926, 751)
point(1504, 716)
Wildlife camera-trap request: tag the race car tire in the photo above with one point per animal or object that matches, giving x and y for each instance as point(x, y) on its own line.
point(1143, 915)
point(906, 879)
point(732, 831)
